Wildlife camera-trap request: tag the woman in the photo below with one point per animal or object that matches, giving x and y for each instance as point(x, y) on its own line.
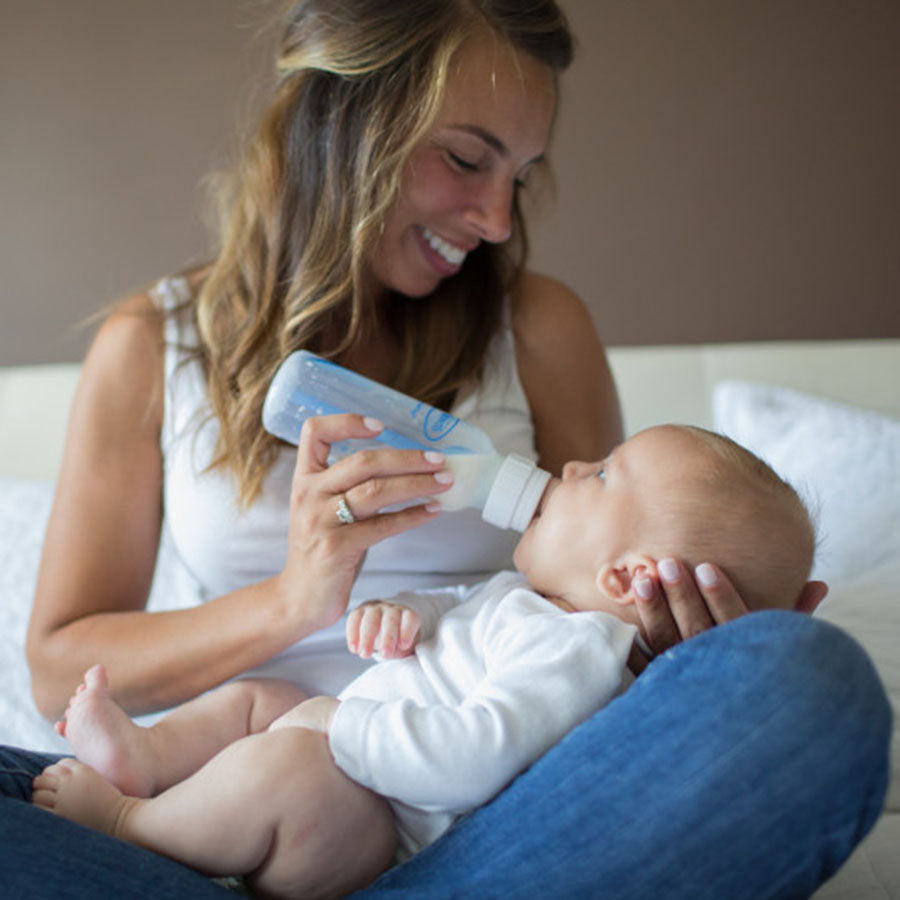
point(375, 219)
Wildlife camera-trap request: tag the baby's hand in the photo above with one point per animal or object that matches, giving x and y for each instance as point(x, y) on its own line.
point(387, 628)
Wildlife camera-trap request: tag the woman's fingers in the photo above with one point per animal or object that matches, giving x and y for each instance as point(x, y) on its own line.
point(375, 494)
point(685, 601)
point(682, 603)
point(721, 598)
point(320, 432)
point(659, 626)
point(366, 481)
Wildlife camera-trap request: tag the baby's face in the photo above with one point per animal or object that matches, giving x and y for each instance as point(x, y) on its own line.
point(600, 512)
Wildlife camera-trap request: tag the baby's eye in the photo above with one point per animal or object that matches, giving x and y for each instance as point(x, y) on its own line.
point(601, 473)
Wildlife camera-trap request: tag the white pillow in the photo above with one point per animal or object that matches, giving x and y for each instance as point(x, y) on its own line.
point(843, 460)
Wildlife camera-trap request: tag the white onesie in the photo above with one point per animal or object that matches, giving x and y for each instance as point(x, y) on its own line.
point(493, 684)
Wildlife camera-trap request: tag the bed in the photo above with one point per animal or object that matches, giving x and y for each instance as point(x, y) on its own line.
point(826, 415)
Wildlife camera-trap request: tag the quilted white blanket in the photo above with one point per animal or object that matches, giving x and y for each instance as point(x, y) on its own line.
point(24, 508)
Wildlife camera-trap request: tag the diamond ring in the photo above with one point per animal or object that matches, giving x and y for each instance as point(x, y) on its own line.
point(345, 516)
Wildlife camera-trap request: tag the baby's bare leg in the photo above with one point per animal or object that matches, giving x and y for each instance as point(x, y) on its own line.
point(142, 761)
point(272, 806)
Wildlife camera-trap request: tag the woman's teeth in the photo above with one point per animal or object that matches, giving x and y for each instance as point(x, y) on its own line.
point(451, 254)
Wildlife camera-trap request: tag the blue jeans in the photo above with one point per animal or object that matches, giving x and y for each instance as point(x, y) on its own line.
point(745, 763)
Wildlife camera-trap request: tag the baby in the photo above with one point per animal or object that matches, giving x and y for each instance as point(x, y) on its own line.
point(315, 798)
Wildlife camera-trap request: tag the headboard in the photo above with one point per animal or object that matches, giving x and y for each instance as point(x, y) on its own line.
point(657, 384)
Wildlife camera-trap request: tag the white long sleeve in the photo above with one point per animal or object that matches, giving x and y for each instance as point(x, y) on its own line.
point(505, 677)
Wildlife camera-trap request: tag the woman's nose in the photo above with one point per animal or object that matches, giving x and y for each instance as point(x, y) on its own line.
point(491, 211)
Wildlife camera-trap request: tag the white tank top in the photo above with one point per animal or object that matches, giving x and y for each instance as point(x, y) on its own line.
point(210, 546)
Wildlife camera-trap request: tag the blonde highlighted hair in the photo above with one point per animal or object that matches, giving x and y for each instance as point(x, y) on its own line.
point(360, 84)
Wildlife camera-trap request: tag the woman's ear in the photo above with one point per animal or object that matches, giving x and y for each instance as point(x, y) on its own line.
point(614, 580)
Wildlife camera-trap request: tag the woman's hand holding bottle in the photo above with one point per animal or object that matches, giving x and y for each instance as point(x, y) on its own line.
point(337, 512)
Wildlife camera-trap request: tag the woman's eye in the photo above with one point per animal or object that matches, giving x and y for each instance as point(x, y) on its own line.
point(462, 163)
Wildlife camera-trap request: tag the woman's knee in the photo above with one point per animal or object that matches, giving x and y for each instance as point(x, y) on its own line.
point(821, 668)
point(800, 693)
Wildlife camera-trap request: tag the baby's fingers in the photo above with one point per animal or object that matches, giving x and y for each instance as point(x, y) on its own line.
point(399, 631)
point(409, 632)
point(354, 618)
point(363, 625)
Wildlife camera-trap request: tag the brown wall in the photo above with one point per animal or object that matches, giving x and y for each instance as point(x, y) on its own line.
point(727, 169)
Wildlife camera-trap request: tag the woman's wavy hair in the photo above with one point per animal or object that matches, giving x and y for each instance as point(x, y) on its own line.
point(360, 84)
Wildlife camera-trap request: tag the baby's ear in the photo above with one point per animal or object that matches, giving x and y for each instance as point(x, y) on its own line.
point(811, 595)
point(614, 580)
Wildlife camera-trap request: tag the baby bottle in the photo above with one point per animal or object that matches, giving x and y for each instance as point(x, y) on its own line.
point(506, 488)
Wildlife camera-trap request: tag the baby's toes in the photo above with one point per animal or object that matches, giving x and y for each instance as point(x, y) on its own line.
point(48, 780)
point(95, 677)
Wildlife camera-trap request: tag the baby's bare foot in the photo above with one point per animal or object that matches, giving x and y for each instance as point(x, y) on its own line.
point(103, 736)
point(75, 791)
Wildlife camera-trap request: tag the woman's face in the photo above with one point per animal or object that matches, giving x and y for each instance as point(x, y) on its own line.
point(457, 188)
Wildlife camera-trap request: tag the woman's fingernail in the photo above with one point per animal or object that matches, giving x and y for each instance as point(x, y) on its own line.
point(706, 575)
point(668, 568)
point(443, 477)
point(643, 587)
point(433, 456)
point(373, 424)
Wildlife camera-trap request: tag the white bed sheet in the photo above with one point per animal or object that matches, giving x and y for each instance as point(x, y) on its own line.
point(24, 508)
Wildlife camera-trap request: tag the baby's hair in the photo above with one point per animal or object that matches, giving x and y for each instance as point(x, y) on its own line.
point(740, 514)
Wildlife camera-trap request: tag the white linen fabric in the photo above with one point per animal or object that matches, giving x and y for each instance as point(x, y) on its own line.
point(844, 461)
point(24, 509)
point(504, 676)
point(217, 547)
point(868, 608)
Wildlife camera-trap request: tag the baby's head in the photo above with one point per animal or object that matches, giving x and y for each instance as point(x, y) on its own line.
point(675, 491)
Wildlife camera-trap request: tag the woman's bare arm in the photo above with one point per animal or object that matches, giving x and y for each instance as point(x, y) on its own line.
point(103, 536)
point(101, 546)
point(565, 374)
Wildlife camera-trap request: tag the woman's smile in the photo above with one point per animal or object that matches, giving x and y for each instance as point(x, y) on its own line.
point(446, 258)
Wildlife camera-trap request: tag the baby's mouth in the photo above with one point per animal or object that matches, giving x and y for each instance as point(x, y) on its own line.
point(552, 485)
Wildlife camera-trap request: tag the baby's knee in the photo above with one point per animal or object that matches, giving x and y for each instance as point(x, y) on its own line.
point(333, 835)
point(284, 761)
point(262, 700)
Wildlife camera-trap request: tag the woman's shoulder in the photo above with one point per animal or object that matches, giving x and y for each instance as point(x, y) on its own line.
point(124, 366)
point(563, 370)
point(549, 318)
point(545, 308)
point(137, 322)
point(133, 325)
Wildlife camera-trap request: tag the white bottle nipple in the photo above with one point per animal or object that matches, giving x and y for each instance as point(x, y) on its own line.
point(515, 493)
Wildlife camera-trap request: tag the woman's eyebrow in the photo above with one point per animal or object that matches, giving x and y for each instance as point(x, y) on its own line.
point(491, 140)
